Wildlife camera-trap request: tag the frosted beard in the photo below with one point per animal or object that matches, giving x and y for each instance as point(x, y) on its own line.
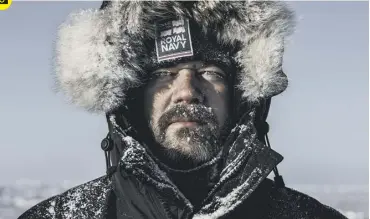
point(197, 144)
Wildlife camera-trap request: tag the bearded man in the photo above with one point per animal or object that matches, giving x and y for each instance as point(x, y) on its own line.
point(186, 88)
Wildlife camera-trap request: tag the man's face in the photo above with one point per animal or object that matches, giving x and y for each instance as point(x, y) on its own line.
point(186, 106)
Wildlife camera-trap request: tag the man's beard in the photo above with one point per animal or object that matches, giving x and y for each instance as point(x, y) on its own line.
point(195, 144)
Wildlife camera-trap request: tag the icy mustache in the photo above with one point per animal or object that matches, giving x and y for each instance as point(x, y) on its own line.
point(195, 112)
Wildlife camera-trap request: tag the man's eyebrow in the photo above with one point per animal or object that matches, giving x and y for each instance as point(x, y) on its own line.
point(162, 70)
point(168, 66)
point(213, 65)
point(221, 65)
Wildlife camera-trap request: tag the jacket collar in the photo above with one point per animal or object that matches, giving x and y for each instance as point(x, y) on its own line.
point(247, 162)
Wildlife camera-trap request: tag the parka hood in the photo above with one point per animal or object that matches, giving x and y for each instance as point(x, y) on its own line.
point(100, 52)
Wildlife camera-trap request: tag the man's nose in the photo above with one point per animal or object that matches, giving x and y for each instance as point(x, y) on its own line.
point(186, 88)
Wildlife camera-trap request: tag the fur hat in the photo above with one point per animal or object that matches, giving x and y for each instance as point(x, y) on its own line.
point(100, 53)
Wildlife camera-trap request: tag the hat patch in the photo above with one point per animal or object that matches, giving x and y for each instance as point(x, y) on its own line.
point(173, 40)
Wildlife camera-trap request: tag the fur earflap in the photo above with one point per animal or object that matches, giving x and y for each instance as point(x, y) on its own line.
point(98, 52)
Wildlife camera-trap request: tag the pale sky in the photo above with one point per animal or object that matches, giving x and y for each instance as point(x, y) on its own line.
point(319, 124)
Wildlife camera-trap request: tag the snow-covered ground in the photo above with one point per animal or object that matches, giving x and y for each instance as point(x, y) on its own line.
point(352, 200)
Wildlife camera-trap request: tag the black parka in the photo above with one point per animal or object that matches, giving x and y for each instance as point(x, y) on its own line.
point(140, 188)
point(96, 199)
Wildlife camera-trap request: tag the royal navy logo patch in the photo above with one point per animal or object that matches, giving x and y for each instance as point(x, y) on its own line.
point(173, 40)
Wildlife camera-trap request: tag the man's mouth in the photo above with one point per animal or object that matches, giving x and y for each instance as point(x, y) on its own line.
point(185, 123)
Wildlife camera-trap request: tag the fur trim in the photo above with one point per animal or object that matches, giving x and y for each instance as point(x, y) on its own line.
point(99, 52)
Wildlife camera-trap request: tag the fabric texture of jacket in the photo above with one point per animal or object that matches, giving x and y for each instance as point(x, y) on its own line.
point(95, 200)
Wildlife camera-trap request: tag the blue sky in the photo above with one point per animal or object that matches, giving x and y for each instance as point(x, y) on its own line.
point(319, 124)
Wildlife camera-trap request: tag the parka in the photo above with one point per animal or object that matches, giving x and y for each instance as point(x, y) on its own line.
point(139, 187)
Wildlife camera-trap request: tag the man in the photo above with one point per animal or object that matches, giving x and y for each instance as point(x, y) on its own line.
point(186, 88)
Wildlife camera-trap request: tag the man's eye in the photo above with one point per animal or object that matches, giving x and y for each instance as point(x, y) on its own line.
point(209, 75)
point(162, 74)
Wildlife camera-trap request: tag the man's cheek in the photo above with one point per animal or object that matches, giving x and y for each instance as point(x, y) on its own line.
point(154, 120)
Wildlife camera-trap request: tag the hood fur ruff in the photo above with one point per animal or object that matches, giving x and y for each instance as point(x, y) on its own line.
point(98, 51)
